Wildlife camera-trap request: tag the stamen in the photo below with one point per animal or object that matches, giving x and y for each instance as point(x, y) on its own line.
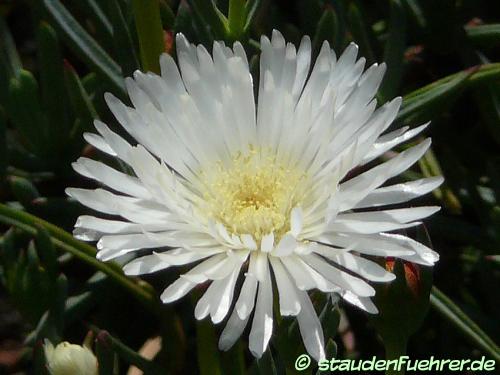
point(254, 194)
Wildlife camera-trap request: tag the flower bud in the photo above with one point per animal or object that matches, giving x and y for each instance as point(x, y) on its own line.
point(68, 358)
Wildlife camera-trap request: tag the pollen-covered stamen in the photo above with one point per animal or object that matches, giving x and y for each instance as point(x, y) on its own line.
point(254, 194)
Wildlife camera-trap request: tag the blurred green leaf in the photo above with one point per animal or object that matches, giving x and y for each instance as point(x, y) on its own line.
point(149, 32)
point(488, 101)
point(24, 191)
point(251, 8)
point(53, 91)
point(24, 110)
point(449, 310)
point(431, 98)
point(46, 251)
point(84, 45)
point(487, 36)
point(122, 40)
point(212, 16)
point(167, 15)
point(80, 101)
point(10, 63)
point(328, 29)
point(394, 50)
point(3, 147)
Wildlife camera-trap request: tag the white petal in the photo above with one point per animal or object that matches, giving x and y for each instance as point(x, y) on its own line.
point(310, 328)
point(262, 325)
point(288, 300)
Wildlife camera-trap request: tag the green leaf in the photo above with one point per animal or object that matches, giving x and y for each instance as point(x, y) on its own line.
point(122, 40)
point(53, 91)
point(449, 310)
point(236, 19)
point(80, 100)
point(149, 32)
point(3, 147)
point(328, 29)
point(486, 36)
point(84, 45)
point(212, 16)
point(46, 251)
point(394, 52)
point(424, 101)
point(24, 110)
point(167, 15)
point(24, 191)
point(10, 63)
point(488, 101)
point(251, 8)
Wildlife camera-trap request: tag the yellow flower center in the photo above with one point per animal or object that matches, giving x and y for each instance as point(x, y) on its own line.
point(253, 194)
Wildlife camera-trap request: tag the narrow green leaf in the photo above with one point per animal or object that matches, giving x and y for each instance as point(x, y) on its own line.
point(24, 110)
point(46, 251)
point(431, 97)
point(167, 15)
point(394, 52)
point(58, 304)
point(80, 100)
point(100, 22)
point(236, 19)
point(84, 45)
point(150, 33)
point(208, 12)
point(251, 8)
point(3, 147)
point(328, 29)
point(484, 35)
point(449, 310)
point(53, 91)
point(24, 190)
point(39, 360)
point(488, 101)
point(360, 32)
point(122, 40)
point(10, 63)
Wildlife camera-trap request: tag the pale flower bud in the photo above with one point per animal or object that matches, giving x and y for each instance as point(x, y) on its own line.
point(68, 358)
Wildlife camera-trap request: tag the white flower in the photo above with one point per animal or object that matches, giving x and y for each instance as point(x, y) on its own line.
point(259, 191)
point(68, 358)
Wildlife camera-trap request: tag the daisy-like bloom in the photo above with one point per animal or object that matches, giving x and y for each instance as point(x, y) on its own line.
point(258, 195)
